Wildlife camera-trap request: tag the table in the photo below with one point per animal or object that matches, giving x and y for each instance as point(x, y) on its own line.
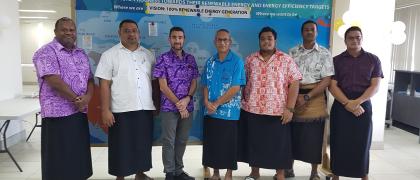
point(15, 109)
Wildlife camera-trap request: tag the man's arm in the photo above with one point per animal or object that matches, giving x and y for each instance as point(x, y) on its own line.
point(107, 116)
point(291, 101)
point(370, 91)
point(227, 96)
point(320, 88)
point(58, 85)
point(83, 100)
point(164, 88)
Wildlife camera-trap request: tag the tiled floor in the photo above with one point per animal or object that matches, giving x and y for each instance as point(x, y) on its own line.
point(399, 160)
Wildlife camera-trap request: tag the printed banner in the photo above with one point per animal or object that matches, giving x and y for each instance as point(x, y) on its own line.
point(97, 25)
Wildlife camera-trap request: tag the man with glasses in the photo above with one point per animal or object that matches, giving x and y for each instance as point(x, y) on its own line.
point(222, 78)
point(125, 73)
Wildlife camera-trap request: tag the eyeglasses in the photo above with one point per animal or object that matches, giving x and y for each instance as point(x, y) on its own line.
point(219, 41)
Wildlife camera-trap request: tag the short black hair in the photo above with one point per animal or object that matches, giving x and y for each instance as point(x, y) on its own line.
point(308, 22)
point(221, 30)
point(63, 19)
point(128, 21)
point(176, 28)
point(267, 29)
point(353, 28)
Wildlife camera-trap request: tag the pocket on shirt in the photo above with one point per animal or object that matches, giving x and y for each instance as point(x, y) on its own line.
point(226, 78)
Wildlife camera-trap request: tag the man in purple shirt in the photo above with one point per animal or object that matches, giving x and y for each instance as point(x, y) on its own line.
point(177, 72)
point(357, 77)
point(66, 86)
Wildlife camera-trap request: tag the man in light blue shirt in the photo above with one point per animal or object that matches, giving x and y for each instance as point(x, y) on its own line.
point(222, 78)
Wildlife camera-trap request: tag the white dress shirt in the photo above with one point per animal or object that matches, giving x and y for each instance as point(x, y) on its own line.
point(130, 73)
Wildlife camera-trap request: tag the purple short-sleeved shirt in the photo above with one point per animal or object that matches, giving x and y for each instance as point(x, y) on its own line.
point(178, 73)
point(73, 68)
point(353, 74)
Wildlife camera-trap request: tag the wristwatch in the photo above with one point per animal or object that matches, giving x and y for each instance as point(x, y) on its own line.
point(306, 97)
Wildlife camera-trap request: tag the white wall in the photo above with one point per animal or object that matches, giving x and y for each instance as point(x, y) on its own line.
point(376, 39)
point(10, 71)
point(34, 34)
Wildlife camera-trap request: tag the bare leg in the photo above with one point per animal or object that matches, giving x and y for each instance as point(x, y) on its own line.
point(216, 174)
point(120, 178)
point(228, 175)
point(206, 172)
point(280, 174)
point(335, 177)
point(255, 172)
point(365, 178)
point(141, 176)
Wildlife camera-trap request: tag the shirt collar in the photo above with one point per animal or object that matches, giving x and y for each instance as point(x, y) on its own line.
point(172, 52)
point(120, 46)
point(316, 47)
point(227, 58)
point(278, 53)
point(347, 54)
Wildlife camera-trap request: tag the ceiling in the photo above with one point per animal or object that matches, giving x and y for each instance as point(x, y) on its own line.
point(62, 8)
point(404, 3)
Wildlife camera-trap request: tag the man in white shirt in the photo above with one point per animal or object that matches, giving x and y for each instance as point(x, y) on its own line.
point(316, 65)
point(125, 73)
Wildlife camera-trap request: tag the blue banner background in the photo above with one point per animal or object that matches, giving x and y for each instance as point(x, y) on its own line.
point(97, 19)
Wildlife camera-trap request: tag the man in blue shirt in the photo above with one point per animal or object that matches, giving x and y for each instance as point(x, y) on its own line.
point(222, 78)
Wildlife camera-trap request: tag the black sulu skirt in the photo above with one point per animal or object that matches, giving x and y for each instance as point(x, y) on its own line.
point(65, 148)
point(269, 142)
point(130, 143)
point(220, 143)
point(307, 140)
point(350, 140)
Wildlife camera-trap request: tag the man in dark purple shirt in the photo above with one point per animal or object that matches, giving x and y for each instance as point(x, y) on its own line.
point(356, 80)
point(66, 87)
point(177, 72)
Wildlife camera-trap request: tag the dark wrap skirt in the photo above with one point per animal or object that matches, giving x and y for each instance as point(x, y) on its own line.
point(350, 138)
point(220, 143)
point(130, 143)
point(65, 148)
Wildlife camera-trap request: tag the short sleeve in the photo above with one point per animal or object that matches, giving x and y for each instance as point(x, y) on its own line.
point(335, 69)
point(204, 75)
point(328, 65)
point(292, 71)
point(377, 69)
point(104, 69)
point(159, 71)
point(239, 74)
point(195, 73)
point(46, 62)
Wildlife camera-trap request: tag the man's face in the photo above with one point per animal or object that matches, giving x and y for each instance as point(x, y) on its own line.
point(309, 32)
point(267, 41)
point(129, 34)
point(222, 42)
point(65, 33)
point(353, 40)
point(176, 39)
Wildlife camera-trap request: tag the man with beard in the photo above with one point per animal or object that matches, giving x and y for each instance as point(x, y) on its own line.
point(125, 73)
point(66, 87)
point(177, 73)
